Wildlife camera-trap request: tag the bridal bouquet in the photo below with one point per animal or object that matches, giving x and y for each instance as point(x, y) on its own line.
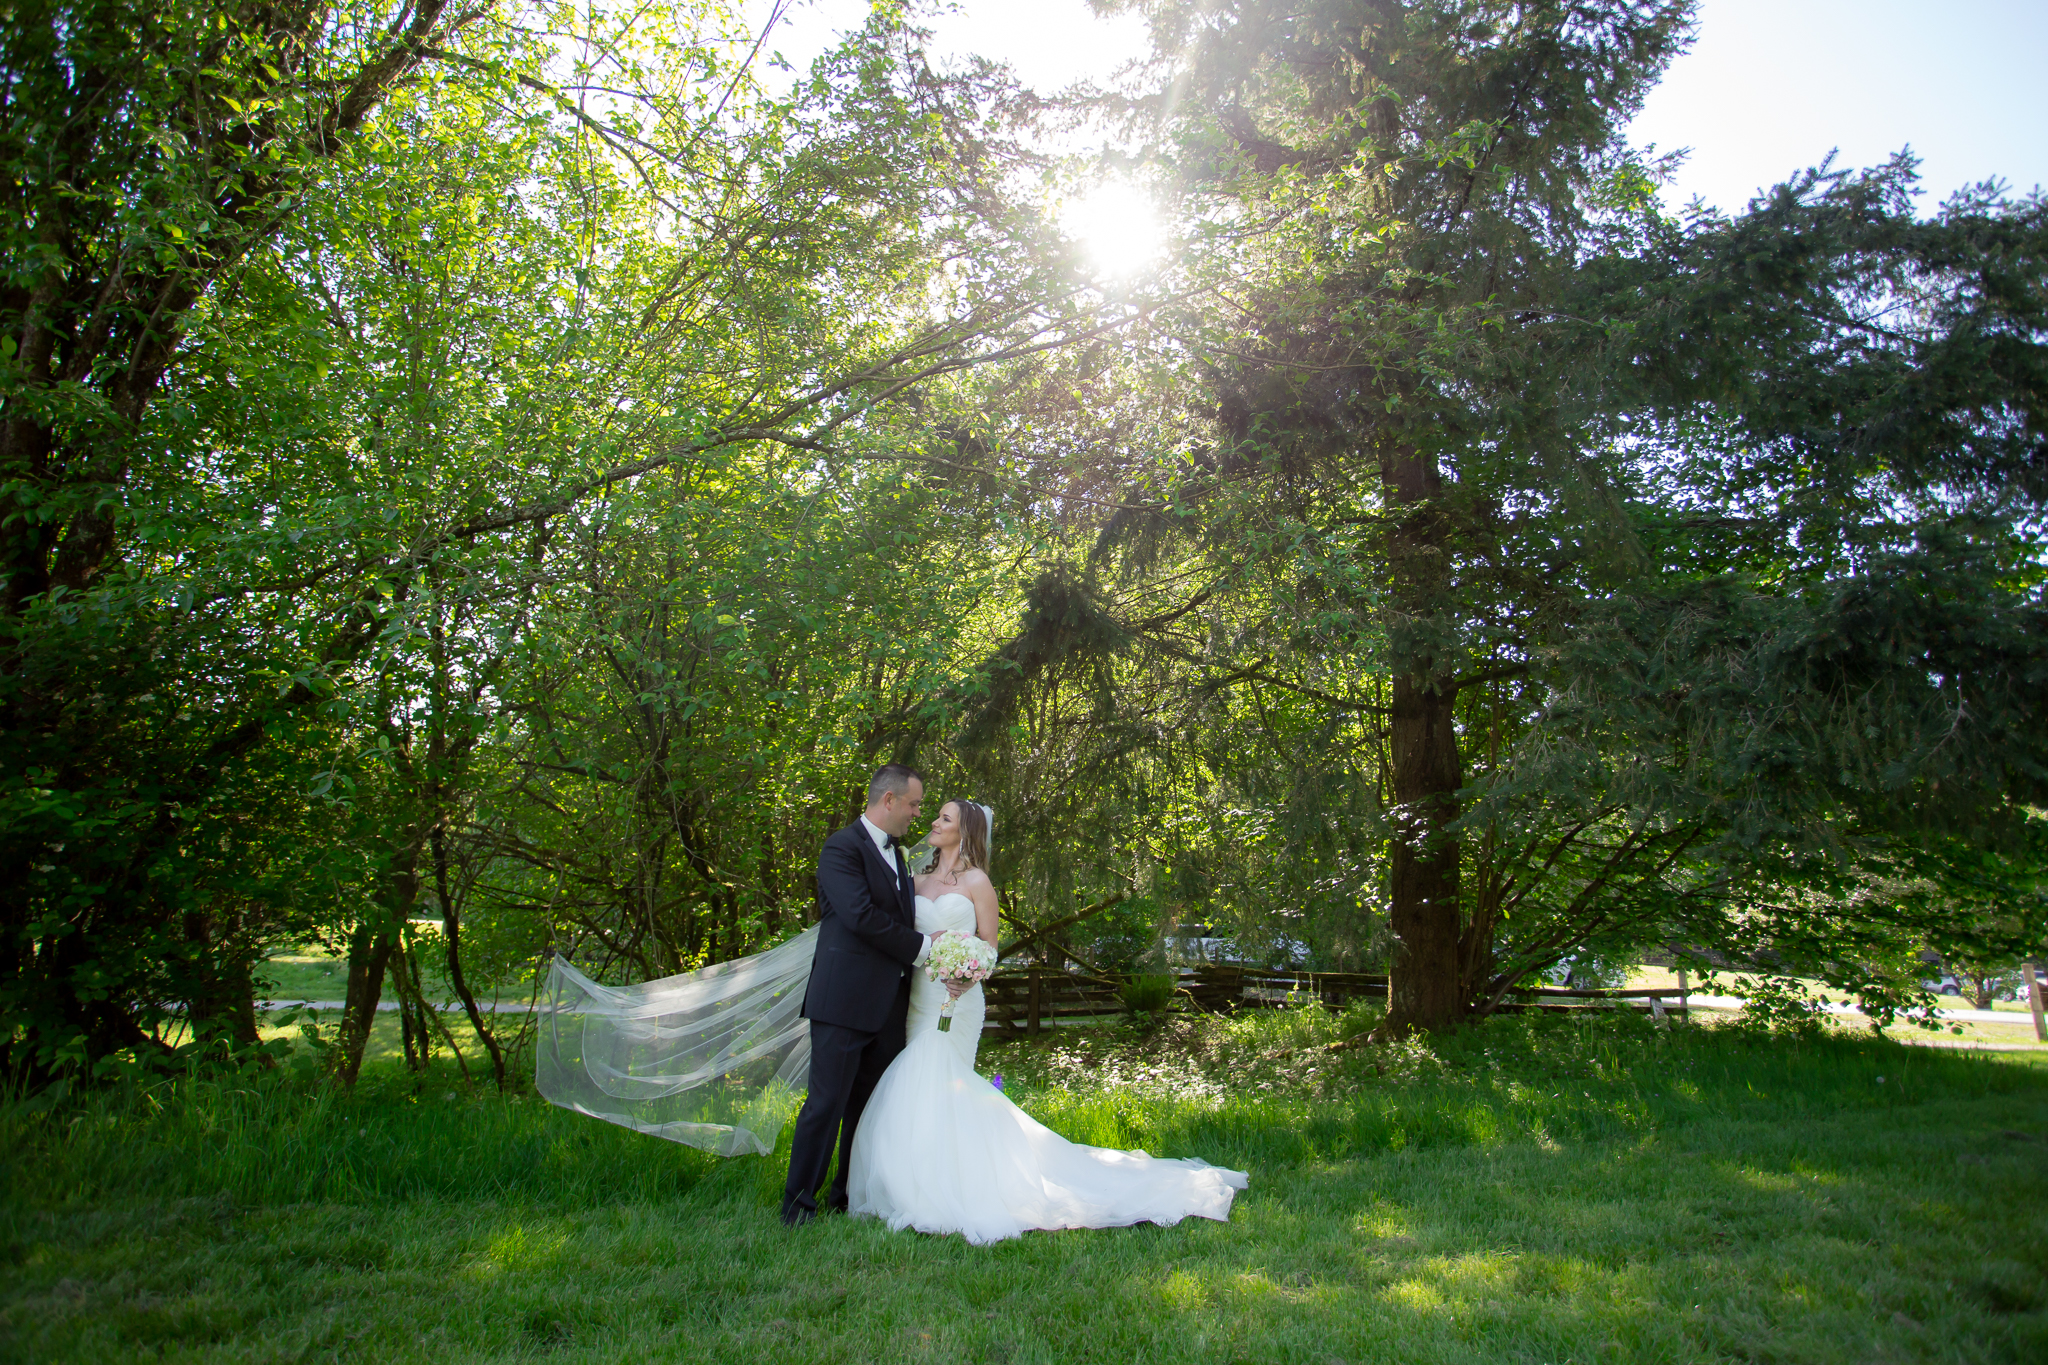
point(958, 957)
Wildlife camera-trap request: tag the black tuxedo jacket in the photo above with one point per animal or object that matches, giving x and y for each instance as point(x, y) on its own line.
point(867, 935)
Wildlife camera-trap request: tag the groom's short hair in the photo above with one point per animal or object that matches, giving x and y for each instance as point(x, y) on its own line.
point(892, 777)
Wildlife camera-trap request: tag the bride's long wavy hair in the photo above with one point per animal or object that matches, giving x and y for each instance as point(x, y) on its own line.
point(973, 837)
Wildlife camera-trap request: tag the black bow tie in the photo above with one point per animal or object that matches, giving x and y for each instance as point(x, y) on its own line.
point(889, 843)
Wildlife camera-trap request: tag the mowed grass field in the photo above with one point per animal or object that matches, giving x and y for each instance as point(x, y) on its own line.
point(1533, 1189)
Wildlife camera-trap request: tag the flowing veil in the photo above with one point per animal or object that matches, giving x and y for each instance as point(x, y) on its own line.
point(717, 1059)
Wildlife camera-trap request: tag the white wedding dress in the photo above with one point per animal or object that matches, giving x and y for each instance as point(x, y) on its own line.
point(941, 1150)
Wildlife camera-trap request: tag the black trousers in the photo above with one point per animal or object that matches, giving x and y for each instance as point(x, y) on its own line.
point(845, 1064)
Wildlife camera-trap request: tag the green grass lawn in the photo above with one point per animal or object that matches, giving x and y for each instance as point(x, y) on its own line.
point(311, 972)
point(1536, 1189)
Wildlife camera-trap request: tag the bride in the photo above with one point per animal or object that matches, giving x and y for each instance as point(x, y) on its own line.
point(939, 1149)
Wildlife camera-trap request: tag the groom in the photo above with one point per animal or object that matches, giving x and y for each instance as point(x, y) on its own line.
point(859, 993)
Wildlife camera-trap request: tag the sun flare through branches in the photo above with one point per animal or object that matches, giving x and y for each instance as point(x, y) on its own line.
point(1118, 227)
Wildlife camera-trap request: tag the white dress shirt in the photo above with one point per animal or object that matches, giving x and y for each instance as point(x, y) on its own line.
point(881, 838)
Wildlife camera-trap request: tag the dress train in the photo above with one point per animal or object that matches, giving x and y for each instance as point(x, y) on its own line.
point(941, 1150)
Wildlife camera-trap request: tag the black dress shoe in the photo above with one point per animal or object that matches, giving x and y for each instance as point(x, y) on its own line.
point(796, 1218)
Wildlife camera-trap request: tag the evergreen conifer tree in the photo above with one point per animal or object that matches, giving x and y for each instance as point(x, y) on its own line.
point(1675, 540)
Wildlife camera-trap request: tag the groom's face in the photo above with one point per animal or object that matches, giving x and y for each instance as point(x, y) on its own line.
point(899, 811)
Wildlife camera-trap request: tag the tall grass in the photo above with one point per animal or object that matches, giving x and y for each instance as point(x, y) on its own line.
point(1261, 1090)
point(1267, 1087)
point(264, 1141)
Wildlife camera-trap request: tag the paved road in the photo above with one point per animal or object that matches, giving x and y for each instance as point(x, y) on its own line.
point(1734, 1002)
point(452, 1006)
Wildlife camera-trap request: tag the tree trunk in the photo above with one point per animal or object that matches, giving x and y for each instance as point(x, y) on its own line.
point(418, 1041)
point(451, 932)
point(222, 996)
point(1425, 990)
point(369, 956)
point(1981, 990)
point(69, 970)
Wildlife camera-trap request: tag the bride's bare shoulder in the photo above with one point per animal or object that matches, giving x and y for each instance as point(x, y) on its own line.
point(974, 877)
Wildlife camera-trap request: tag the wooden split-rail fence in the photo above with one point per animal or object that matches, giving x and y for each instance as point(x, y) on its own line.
point(1023, 1001)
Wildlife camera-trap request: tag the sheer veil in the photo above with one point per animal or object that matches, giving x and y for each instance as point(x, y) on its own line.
point(716, 1059)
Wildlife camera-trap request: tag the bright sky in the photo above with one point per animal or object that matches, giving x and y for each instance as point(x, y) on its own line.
point(1772, 85)
point(1769, 87)
point(1050, 43)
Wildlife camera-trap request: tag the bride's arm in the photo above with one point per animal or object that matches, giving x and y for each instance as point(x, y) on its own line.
point(987, 920)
